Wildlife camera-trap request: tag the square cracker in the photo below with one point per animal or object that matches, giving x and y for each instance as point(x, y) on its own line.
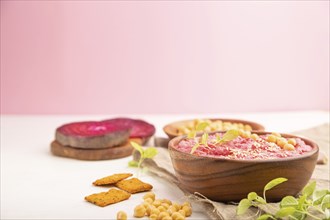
point(108, 180)
point(106, 198)
point(133, 185)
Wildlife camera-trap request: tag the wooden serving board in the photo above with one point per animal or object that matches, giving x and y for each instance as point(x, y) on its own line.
point(93, 154)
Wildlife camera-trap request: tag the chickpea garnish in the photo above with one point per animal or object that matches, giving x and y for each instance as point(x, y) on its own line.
point(216, 125)
point(292, 141)
point(139, 211)
point(276, 134)
point(281, 142)
point(254, 136)
point(272, 138)
point(121, 215)
point(288, 147)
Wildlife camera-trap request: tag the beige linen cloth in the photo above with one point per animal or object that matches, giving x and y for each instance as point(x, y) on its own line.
point(161, 166)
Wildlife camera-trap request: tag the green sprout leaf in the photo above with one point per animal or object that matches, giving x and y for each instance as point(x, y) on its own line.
point(201, 126)
point(285, 211)
point(327, 213)
point(273, 183)
point(194, 148)
point(309, 189)
point(243, 205)
point(205, 136)
point(325, 202)
point(228, 136)
point(253, 197)
point(318, 196)
point(289, 201)
point(292, 208)
point(266, 217)
point(133, 163)
point(150, 152)
point(191, 134)
point(137, 147)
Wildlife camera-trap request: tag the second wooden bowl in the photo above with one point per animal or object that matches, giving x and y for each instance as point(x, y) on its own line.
point(171, 129)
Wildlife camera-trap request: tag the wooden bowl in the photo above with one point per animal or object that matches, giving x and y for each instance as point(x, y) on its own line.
point(171, 129)
point(231, 180)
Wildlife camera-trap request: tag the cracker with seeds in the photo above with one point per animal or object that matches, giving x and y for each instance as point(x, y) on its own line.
point(106, 198)
point(109, 180)
point(133, 185)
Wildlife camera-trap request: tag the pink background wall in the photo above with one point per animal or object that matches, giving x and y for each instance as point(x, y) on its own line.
point(115, 57)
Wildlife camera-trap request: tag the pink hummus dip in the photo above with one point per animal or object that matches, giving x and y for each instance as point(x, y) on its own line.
point(243, 148)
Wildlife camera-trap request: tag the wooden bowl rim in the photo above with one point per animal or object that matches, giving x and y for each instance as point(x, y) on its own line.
point(313, 144)
point(253, 124)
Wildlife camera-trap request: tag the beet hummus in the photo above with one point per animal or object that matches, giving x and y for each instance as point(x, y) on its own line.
point(245, 148)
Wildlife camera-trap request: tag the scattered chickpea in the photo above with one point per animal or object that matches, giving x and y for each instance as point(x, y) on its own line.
point(177, 216)
point(154, 211)
point(271, 138)
point(188, 210)
point(176, 205)
point(182, 212)
point(121, 215)
point(167, 201)
point(145, 204)
point(139, 211)
point(165, 205)
point(150, 195)
point(186, 203)
point(292, 141)
point(153, 217)
point(157, 203)
point(288, 147)
point(149, 200)
point(163, 214)
point(171, 209)
point(161, 208)
point(149, 208)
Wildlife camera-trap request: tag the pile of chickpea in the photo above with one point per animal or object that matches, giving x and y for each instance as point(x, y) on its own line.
point(215, 125)
point(159, 209)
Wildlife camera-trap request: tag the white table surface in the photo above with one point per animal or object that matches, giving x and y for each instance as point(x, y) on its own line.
point(37, 185)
